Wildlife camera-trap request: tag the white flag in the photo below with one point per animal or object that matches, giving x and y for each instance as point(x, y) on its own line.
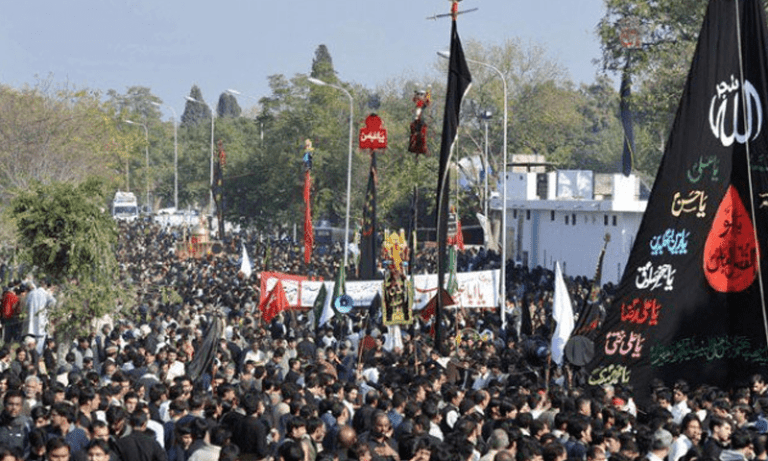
point(245, 264)
point(328, 312)
point(563, 315)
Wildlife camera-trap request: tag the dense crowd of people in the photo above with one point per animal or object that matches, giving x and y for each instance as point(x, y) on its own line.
point(289, 390)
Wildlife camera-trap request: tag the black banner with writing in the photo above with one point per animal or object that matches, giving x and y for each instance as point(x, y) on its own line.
point(690, 304)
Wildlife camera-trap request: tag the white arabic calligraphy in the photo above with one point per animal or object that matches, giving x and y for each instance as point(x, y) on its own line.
point(648, 278)
point(376, 136)
point(718, 114)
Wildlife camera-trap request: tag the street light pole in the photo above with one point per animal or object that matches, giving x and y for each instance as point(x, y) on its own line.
point(146, 152)
point(175, 156)
point(349, 160)
point(445, 54)
point(213, 118)
point(485, 116)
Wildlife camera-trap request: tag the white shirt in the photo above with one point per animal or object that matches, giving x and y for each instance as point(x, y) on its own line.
point(679, 448)
point(679, 410)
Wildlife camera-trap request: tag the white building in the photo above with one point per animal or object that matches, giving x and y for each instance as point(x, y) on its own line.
point(565, 215)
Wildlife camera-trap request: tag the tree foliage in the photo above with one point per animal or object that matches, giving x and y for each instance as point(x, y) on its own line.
point(65, 232)
point(228, 106)
point(196, 111)
point(51, 135)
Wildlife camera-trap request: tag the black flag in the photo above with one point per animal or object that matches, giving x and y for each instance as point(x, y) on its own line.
point(368, 237)
point(459, 81)
point(627, 155)
point(691, 303)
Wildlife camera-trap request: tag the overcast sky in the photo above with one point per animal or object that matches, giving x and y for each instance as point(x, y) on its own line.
point(169, 45)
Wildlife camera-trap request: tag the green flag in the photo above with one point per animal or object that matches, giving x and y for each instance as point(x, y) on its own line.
point(317, 307)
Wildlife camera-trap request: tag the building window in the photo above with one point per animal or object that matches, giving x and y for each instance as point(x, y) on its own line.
point(552, 215)
point(566, 219)
point(605, 219)
point(614, 220)
point(514, 215)
point(573, 219)
point(528, 215)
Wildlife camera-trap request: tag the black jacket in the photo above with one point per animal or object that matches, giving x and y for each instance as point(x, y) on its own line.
point(140, 446)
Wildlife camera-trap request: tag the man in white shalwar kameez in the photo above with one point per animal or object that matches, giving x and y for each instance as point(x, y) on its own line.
point(39, 300)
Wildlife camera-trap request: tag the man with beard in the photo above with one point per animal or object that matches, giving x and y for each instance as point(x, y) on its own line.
point(379, 440)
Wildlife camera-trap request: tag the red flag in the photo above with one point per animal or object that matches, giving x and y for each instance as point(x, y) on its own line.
point(309, 234)
point(430, 308)
point(458, 239)
point(274, 303)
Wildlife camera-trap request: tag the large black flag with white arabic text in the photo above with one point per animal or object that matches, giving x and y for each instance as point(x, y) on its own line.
point(691, 303)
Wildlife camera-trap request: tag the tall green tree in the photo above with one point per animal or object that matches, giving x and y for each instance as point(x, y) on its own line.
point(196, 111)
point(322, 65)
point(64, 231)
point(228, 106)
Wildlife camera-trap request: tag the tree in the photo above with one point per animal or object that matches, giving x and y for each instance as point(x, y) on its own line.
point(64, 134)
point(136, 103)
point(196, 111)
point(669, 31)
point(64, 231)
point(228, 106)
point(322, 65)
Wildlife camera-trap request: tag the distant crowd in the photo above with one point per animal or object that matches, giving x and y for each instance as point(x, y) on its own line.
point(351, 389)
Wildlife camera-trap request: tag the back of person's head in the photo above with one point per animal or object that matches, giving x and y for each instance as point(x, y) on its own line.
point(740, 439)
point(498, 439)
point(138, 419)
point(371, 397)
point(65, 410)
point(524, 420)
point(199, 428)
point(290, 451)
point(552, 451)
point(250, 403)
point(577, 425)
point(115, 413)
point(528, 450)
point(220, 436)
point(429, 407)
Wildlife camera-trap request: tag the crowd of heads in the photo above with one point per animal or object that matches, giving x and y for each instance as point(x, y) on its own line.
point(347, 390)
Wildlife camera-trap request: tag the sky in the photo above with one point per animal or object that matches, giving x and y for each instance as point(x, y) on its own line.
point(170, 45)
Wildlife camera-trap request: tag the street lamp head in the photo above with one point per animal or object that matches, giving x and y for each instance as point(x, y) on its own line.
point(234, 92)
point(191, 99)
point(444, 54)
point(316, 81)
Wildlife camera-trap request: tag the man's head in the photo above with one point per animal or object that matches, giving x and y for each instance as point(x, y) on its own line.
point(680, 391)
point(691, 427)
point(99, 430)
point(382, 427)
point(13, 403)
point(741, 441)
point(757, 384)
point(720, 428)
point(661, 441)
point(57, 449)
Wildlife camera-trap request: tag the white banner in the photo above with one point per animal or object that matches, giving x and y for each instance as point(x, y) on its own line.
point(476, 289)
